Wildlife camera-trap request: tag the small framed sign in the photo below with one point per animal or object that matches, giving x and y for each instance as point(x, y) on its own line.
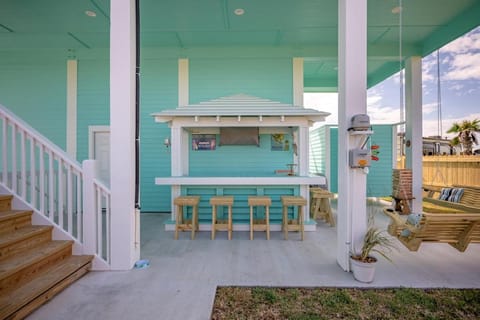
point(204, 142)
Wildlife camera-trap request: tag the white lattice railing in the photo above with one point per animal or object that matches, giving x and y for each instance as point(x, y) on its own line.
point(45, 178)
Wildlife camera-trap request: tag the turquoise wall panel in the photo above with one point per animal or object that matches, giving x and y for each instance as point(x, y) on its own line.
point(33, 86)
point(93, 98)
point(265, 78)
point(333, 159)
point(159, 80)
point(318, 150)
point(241, 160)
point(379, 178)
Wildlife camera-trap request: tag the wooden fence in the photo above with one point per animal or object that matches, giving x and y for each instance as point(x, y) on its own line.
point(450, 170)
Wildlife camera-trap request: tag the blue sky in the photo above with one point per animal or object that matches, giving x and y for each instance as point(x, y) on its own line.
point(459, 87)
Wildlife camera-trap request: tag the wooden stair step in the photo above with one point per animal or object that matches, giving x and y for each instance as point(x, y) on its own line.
point(14, 219)
point(5, 202)
point(22, 239)
point(23, 300)
point(22, 267)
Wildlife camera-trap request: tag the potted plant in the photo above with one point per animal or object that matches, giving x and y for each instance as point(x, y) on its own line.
point(363, 263)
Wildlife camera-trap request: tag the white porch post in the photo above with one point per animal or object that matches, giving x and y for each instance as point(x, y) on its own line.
point(72, 67)
point(297, 64)
point(413, 112)
point(125, 251)
point(352, 96)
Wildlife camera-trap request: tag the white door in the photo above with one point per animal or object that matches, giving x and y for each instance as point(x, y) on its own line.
point(99, 137)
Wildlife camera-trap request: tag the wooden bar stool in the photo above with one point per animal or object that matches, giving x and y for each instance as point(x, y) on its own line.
point(292, 225)
point(257, 224)
point(217, 224)
point(180, 223)
point(320, 205)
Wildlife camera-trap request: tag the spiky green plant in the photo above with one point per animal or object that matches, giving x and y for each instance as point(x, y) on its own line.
point(465, 136)
point(375, 241)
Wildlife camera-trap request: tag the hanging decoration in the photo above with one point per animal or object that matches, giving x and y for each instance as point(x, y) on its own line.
point(375, 152)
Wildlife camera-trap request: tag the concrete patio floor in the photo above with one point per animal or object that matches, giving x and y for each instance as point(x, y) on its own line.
point(183, 275)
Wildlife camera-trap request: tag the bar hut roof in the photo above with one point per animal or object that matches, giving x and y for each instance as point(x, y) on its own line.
point(241, 106)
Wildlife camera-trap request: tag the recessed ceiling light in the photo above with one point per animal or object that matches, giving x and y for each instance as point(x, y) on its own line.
point(91, 13)
point(397, 10)
point(239, 11)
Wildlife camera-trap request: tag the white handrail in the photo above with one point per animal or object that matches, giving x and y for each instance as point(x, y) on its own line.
point(45, 177)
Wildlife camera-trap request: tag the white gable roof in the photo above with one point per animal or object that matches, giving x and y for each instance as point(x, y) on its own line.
point(240, 105)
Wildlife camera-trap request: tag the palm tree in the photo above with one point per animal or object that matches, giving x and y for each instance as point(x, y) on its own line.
point(465, 134)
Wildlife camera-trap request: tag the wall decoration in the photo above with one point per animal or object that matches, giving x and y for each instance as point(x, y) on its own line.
point(279, 142)
point(204, 142)
point(375, 152)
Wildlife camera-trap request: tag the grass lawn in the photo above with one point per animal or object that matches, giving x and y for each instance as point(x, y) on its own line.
point(345, 303)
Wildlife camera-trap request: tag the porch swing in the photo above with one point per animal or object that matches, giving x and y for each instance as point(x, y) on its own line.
point(456, 229)
point(439, 196)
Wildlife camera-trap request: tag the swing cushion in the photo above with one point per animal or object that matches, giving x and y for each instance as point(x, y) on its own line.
point(455, 195)
point(413, 219)
point(445, 194)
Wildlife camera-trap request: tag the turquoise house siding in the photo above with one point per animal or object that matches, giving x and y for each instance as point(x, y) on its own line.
point(379, 179)
point(333, 159)
point(318, 154)
point(241, 160)
point(33, 86)
point(265, 78)
point(93, 98)
point(159, 80)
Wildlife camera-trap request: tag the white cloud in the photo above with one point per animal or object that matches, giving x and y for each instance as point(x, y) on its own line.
point(430, 126)
point(429, 108)
point(466, 43)
point(373, 99)
point(464, 66)
point(429, 67)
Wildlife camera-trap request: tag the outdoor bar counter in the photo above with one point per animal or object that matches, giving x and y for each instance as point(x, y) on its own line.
point(240, 146)
point(240, 188)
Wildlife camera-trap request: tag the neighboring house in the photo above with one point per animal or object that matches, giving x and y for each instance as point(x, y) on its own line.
point(434, 146)
point(67, 69)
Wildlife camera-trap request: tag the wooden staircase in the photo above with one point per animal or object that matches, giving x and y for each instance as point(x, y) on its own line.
point(33, 267)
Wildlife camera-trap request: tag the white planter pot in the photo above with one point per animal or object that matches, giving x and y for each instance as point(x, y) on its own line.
point(362, 271)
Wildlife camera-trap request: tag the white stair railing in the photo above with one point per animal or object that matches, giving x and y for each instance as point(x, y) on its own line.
point(44, 176)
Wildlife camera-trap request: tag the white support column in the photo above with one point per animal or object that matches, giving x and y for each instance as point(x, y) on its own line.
point(176, 151)
point(303, 151)
point(352, 95)
point(297, 81)
point(179, 162)
point(413, 134)
point(89, 229)
point(124, 250)
point(72, 108)
point(183, 81)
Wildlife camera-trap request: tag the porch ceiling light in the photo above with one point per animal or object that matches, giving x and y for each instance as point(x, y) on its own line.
point(397, 10)
point(239, 11)
point(91, 13)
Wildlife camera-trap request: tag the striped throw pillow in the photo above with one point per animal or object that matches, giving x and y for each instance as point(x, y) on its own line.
point(444, 194)
point(455, 195)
